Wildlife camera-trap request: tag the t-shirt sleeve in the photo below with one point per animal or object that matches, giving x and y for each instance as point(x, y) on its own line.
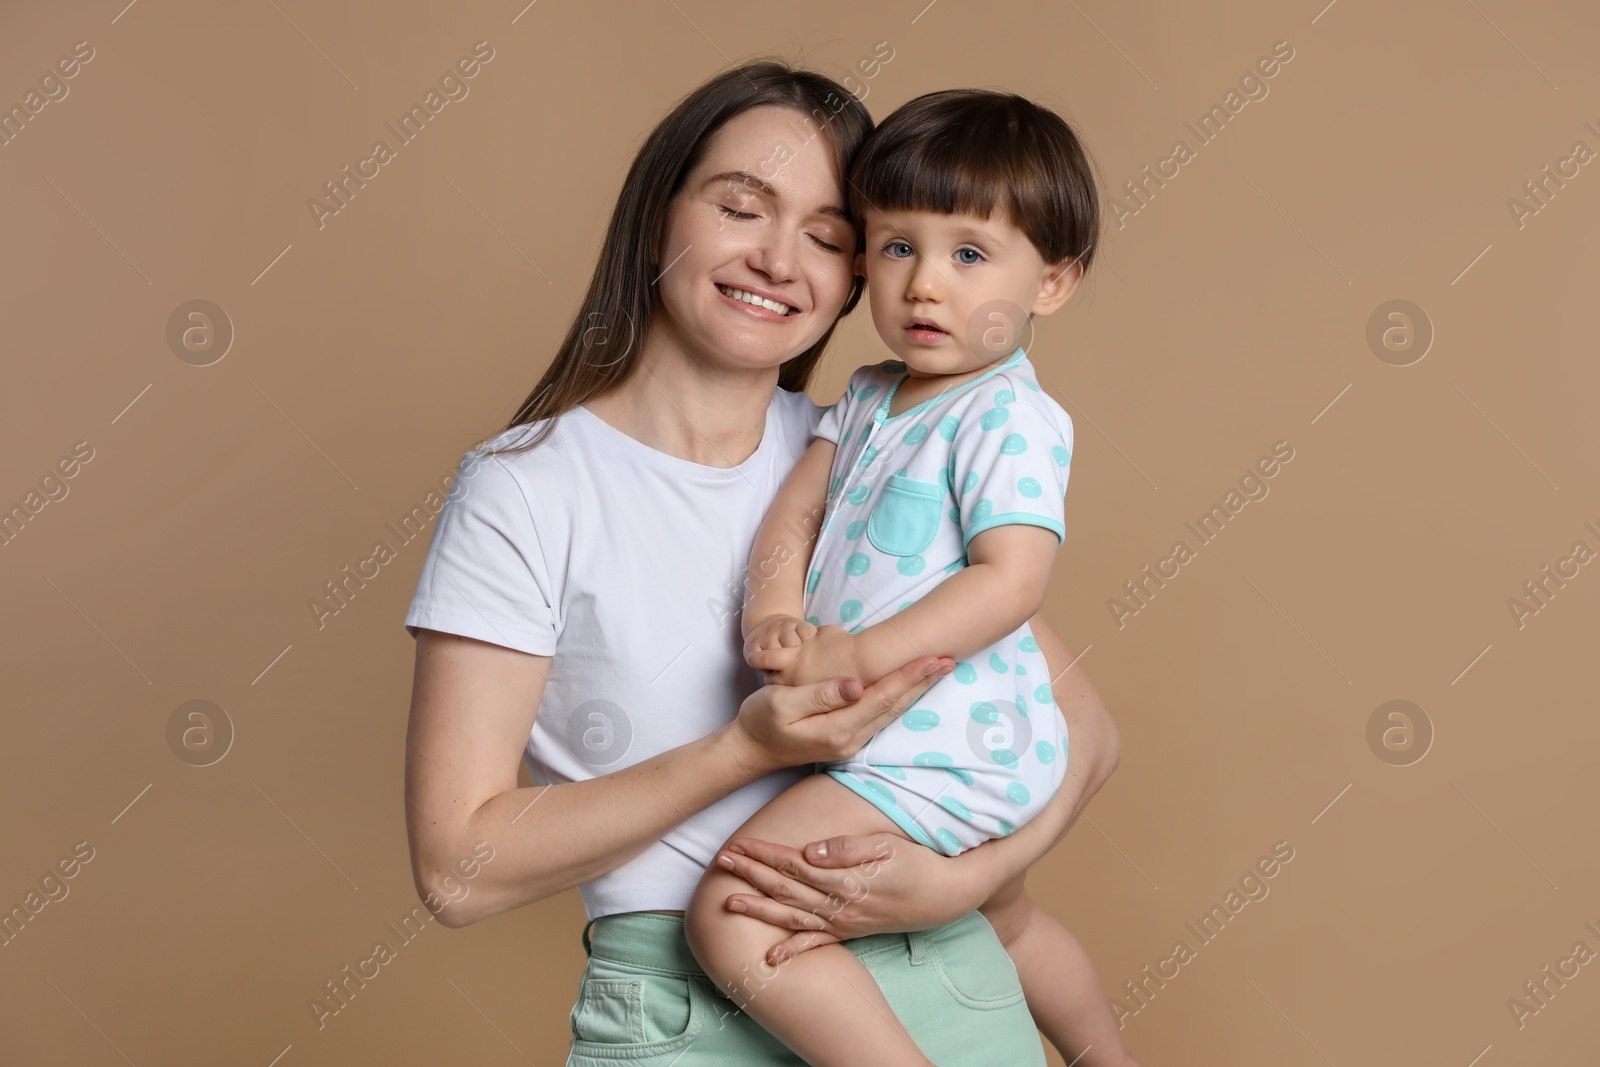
point(1009, 465)
point(485, 574)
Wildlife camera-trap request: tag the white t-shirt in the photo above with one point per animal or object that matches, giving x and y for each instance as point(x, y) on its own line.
point(627, 566)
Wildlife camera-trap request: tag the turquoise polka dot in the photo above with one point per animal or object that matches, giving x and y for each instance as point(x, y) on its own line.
point(854, 531)
point(1004, 756)
point(1063, 457)
point(1043, 695)
point(879, 790)
point(955, 807)
point(944, 477)
point(866, 391)
point(894, 772)
point(960, 775)
point(994, 418)
point(920, 719)
point(872, 453)
point(947, 840)
point(1022, 706)
point(1028, 644)
point(982, 510)
point(813, 620)
point(844, 438)
point(1029, 487)
point(858, 629)
point(955, 514)
point(1004, 397)
point(931, 759)
point(997, 664)
point(1031, 384)
point(833, 486)
point(984, 712)
point(857, 564)
point(955, 565)
point(1021, 670)
point(916, 435)
point(858, 494)
point(1045, 751)
point(1017, 793)
point(902, 470)
point(970, 482)
point(811, 581)
point(906, 605)
point(965, 673)
point(910, 565)
point(948, 426)
point(1014, 445)
point(1006, 828)
point(850, 610)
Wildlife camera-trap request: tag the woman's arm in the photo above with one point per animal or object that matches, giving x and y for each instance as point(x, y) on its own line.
point(473, 705)
point(848, 886)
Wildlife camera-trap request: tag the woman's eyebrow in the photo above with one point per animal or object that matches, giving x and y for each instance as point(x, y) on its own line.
point(745, 178)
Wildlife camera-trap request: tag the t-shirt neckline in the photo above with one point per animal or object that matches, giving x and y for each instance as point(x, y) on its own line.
point(676, 464)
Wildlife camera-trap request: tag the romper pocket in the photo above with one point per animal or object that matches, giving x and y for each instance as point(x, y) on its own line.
point(906, 517)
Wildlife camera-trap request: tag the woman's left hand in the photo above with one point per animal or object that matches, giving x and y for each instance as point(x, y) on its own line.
point(849, 886)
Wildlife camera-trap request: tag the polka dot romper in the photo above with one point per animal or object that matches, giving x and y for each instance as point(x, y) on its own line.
point(984, 749)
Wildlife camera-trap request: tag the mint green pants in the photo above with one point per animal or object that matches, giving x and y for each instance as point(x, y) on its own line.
point(644, 1000)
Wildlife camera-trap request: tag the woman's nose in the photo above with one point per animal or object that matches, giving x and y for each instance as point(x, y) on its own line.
point(775, 253)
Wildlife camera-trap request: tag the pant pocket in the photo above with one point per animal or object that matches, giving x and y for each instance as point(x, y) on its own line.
point(974, 966)
point(636, 1019)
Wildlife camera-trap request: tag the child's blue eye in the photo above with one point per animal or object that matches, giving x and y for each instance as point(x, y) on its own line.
point(893, 249)
point(977, 257)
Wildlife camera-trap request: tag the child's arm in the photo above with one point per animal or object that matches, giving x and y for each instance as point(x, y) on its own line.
point(775, 582)
point(1001, 588)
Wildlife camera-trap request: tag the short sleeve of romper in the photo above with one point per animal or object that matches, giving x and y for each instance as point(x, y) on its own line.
point(1009, 465)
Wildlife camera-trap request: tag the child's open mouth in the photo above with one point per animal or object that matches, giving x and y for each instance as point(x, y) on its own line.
point(925, 332)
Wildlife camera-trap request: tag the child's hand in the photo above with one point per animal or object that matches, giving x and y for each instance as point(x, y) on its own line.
point(830, 652)
point(775, 632)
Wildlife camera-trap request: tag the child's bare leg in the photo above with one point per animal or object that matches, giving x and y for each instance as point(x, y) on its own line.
point(1059, 981)
point(823, 1004)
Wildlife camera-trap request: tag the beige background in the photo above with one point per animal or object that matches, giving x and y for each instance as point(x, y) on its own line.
point(1227, 315)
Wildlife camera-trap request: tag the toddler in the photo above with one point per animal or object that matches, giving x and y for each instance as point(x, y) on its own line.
point(940, 476)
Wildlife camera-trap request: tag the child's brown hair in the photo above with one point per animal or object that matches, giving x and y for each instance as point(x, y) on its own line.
point(969, 151)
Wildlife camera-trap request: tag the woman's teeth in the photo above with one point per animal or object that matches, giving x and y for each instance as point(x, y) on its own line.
point(751, 298)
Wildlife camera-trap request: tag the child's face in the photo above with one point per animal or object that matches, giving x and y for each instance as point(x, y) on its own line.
point(951, 294)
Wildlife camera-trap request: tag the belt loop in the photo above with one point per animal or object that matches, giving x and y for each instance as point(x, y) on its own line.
point(916, 945)
point(587, 951)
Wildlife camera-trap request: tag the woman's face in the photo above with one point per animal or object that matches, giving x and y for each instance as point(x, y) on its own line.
point(761, 218)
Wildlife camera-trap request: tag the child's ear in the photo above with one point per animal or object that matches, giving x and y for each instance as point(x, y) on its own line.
point(861, 263)
point(1056, 285)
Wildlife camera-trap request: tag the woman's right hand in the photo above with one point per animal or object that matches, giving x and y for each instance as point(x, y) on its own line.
point(789, 726)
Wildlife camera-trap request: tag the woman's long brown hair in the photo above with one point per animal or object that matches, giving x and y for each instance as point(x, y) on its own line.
point(602, 345)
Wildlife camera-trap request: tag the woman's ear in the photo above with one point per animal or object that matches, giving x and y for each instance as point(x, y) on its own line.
point(1056, 285)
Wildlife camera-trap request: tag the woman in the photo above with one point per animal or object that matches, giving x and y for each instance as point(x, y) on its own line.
point(580, 601)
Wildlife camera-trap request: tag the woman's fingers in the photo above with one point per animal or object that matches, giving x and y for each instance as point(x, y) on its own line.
point(849, 851)
point(896, 691)
point(796, 943)
point(783, 875)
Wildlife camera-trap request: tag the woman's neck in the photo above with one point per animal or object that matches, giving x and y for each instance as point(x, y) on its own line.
point(688, 408)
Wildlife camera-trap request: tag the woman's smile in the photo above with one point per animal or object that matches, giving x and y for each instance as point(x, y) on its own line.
point(759, 304)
